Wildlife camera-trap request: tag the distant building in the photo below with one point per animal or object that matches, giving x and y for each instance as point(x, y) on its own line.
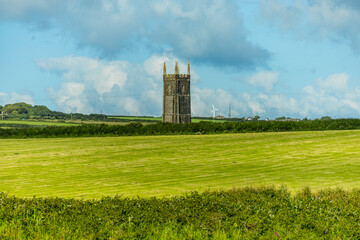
point(220, 117)
point(293, 119)
point(290, 120)
point(176, 96)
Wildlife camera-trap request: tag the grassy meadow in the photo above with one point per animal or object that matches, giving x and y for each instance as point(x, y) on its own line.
point(171, 165)
point(136, 118)
point(39, 123)
point(158, 119)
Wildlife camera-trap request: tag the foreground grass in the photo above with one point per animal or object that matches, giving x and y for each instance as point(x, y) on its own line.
point(170, 165)
point(248, 213)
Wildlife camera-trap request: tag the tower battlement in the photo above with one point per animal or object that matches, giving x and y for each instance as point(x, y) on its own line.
point(176, 96)
point(178, 75)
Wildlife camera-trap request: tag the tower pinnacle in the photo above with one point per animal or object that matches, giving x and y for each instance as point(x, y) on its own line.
point(176, 68)
point(164, 69)
point(188, 71)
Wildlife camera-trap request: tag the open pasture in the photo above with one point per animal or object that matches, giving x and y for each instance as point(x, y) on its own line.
point(171, 165)
point(159, 119)
point(38, 123)
point(136, 118)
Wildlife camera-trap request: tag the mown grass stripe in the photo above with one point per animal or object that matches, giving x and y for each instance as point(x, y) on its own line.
point(169, 165)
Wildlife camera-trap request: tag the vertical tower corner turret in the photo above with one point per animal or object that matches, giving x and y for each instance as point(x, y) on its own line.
point(176, 68)
point(164, 73)
point(188, 70)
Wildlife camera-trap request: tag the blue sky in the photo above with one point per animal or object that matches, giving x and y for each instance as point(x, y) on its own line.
point(263, 57)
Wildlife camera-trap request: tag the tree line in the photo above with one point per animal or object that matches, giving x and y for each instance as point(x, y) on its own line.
point(26, 111)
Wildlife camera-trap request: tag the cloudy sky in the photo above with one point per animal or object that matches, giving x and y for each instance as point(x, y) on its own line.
point(294, 58)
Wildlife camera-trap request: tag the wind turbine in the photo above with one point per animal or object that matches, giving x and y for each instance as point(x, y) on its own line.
point(213, 111)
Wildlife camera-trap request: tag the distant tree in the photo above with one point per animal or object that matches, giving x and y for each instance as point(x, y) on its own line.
point(18, 108)
point(40, 111)
point(326, 118)
point(280, 118)
point(256, 118)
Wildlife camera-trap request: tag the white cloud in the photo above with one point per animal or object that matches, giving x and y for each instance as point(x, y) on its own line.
point(113, 87)
point(88, 85)
point(316, 19)
point(352, 104)
point(278, 103)
point(205, 31)
point(331, 96)
point(103, 75)
point(335, 82)
point(131, 106)
point(202, 100)
point(256, 108)
point(253, 103)
point(264, 79)
point(69, 97)
point(14, 97)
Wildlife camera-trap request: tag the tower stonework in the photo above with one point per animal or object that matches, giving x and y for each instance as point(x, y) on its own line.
point(176, 97)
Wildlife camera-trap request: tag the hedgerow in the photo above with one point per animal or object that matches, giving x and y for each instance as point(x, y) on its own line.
point(204, 127)
point(248, 213)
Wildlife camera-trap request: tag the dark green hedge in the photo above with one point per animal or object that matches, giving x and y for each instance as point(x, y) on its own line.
point(249, 213)
point(204, 127)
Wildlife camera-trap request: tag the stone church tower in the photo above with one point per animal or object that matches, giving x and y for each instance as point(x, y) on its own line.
point(176, 97)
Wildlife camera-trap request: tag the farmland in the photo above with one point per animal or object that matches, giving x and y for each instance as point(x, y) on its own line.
point(134, 187)
point(172, 165)
point(36, 123)
point(158, 119)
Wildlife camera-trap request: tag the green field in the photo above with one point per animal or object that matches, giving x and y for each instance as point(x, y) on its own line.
point(136, 118)
point(193, 120)
point(196, 120)
point(172, 165)
point(38, 123)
